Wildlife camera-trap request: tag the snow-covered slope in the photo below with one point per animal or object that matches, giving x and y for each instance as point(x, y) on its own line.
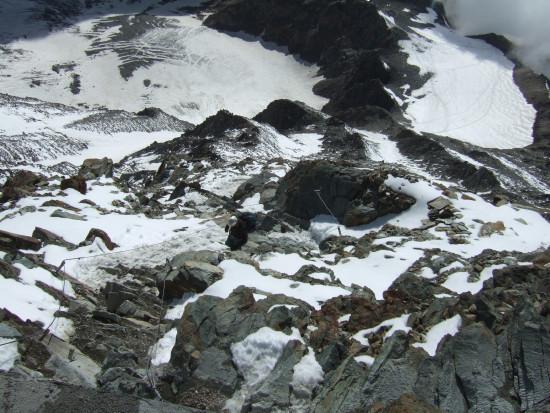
point(116, 58)
point(470, 95)
point(438, 193)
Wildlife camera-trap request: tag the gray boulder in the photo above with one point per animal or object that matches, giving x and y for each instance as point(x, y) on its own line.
point(188, 276)
point(215, 368)
point(94, 168)
point(347, 191)
point(342, 389)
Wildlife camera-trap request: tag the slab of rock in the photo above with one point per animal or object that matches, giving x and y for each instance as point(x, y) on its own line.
point(20, 185)
point(58, 213)
point(8, 270)
point(77, 183)
point(342, 389)
point(439, 203)
point(342, 188)
point(94, 168)
point(98, 233)
point(49, 238)
point(285, 115)
point(215, 368)
point(190, 276)
point(60, 204)
point(49, 396)
point(13, 241)
point(116, 294)
point(273, 393)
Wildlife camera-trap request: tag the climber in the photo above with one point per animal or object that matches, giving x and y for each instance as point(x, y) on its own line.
point(238, 228)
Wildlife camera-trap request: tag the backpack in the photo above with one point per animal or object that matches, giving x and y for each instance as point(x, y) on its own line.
point(250, 219)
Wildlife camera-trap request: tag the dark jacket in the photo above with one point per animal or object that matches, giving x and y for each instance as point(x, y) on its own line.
point(238, 235)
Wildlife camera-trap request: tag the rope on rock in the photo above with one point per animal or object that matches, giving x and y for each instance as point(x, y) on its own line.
point(318, 192)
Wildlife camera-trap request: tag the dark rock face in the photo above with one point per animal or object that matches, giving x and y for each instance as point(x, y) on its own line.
point(11, 241)
point(23, 395)
point(341, 36)
point(210, 325)
point(429, 151)
point(199, 142)
point(350, 146)
point(48, 237)
point(76, 182)
point(286, 115)
point(343, 188)
point(187, 274)
point(307, 28)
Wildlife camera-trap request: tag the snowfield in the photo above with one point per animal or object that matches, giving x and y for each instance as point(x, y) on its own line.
point(471, 94)
point(182, 67)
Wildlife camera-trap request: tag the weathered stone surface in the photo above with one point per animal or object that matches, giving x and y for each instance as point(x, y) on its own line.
point(408, 403)
point(286, 115)
point(106, 316)
point(467, 374)
point(94, 168)
point(394, 371)
point(58, 213)
point(8, 270)
point(77, 183)
point(341, 187)
point(116, 294)
point(189, 276)
point(49, 238)
point(13, 241)
point(338, 140)
point(273, 393)
point(60, 204)
point(28, 396)
point(439, 203)
point(360, 215)
point(215, 368)
point(342, 389)
point(529, 340)
point(21, 184)
point(98, 233)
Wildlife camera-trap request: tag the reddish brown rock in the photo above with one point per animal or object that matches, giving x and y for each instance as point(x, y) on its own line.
point(75, 182)
point(95, 232)
point(16, 241)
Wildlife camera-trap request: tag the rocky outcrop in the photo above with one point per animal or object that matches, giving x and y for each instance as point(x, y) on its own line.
point(211, 325)
point(337, 140)
point(77, 183)
point(50, 238)
point(42, 395)
point(95, 168)
point(21, 184)
point(187, 273)
point(286, 115)
point(342, 37)
point(354, 196)
point(432, 153)
point(102, 235)
point(11, 241)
